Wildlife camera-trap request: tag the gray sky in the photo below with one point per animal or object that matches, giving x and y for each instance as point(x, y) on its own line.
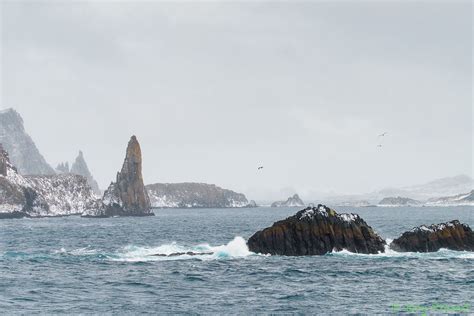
point(213, 90)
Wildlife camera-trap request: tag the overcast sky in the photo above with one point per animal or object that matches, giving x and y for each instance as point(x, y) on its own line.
point(213, 90)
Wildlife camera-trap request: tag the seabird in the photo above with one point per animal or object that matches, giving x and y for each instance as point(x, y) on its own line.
point(383, 134)
point(260, 168)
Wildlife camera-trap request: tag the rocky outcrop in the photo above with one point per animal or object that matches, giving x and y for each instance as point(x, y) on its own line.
point(80, 167)
point(317, 231)
point(39, 196)
point(292, 201)
point(451, 235)
point(194, 195)
point(21, 148)
point(126, 196)
point(398, 201)
point(63, 167)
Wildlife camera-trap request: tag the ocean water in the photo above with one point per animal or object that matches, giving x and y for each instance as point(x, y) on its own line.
point(75, 265)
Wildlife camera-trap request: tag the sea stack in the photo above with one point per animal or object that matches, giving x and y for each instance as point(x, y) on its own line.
point(126, 196)
point(317, 231)
point(451, 235)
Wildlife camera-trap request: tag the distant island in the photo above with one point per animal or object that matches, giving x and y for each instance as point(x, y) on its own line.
point(195, 195)
point(292, 201)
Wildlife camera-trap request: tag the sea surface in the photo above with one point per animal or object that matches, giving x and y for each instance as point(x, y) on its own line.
point(73, 265)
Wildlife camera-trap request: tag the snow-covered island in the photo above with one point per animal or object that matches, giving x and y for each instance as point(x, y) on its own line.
point(292, 201)
point(195, 195)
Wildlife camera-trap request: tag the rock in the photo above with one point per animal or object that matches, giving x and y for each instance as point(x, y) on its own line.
point(22, 150)
point(39, 196)
point(62, 167)
point(80, 167)
point(126, 196)
point(252, 204)
point(451, 235)
point(399, 201)
point(317, 231)
point(193, 195)
point(292, 201)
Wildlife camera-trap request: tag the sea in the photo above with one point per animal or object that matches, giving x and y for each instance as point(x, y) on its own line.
point(73, 265)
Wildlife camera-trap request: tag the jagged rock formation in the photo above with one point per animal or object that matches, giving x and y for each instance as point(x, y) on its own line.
point(456, 200)
point(399, 201)
point(80, 167)
point(292, 201)
point(21, 148)
point(36, 196)
point(317, 231)
point(193, 195)
point(127, 196)
point(63, 167)
point(452, 235)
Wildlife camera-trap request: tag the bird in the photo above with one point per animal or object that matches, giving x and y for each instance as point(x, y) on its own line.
point(383, 134)
point(260, 168)
point(379, 145)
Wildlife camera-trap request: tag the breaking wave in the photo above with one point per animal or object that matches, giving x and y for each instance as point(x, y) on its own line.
point(237, 248)
point(390, 253)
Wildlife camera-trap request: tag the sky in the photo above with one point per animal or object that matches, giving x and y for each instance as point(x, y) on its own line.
point(215, 89)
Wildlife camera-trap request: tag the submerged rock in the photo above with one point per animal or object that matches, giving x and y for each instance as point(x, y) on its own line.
point(127, 195)
point(317, 231)
point(451, 235)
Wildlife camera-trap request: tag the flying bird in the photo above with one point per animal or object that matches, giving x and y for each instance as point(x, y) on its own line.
point(383, 134)
point(260, 168)
point(379, 145)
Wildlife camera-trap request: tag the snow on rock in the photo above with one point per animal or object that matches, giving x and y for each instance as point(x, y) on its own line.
point(194, 195)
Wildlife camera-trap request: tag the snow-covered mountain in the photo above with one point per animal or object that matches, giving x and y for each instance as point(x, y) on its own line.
point(292, 201)
point(456, 200)
point(37, 196)
point(194, 195)
point(80, 167)
point(23, 152)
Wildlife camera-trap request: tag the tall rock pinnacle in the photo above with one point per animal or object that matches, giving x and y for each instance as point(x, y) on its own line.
point(127, 195)
point(80, 167)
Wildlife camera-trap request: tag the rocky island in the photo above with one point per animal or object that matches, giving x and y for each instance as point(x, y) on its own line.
point(292, 201)
point(41, 196)
point(126, 196)
point(451, 235)
point(194, 195)
point(398, 201)
point(317, 231)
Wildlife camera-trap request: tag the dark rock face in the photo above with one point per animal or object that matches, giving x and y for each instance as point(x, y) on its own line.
point(80, 167)
point(452, 235)
point(317, 231)
point(193, 195)
point(23, 152)
point(292, 201)
point(127, 196)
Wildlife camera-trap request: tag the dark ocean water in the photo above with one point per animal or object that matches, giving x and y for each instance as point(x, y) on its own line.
point(74, 265)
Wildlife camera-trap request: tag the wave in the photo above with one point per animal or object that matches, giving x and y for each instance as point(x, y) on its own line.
point(390, 253)
point(237, 248)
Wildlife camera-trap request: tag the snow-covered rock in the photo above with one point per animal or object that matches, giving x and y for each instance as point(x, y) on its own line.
point(80, 167)
point(23, 152)
point(38, 196)
point(456, 200)
point(194, 195)
point(292, 201)
point(398, 201)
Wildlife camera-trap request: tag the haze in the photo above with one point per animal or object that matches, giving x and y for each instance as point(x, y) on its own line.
point(214, 90)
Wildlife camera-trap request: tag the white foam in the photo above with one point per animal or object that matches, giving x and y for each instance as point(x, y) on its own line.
point(237, 248)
